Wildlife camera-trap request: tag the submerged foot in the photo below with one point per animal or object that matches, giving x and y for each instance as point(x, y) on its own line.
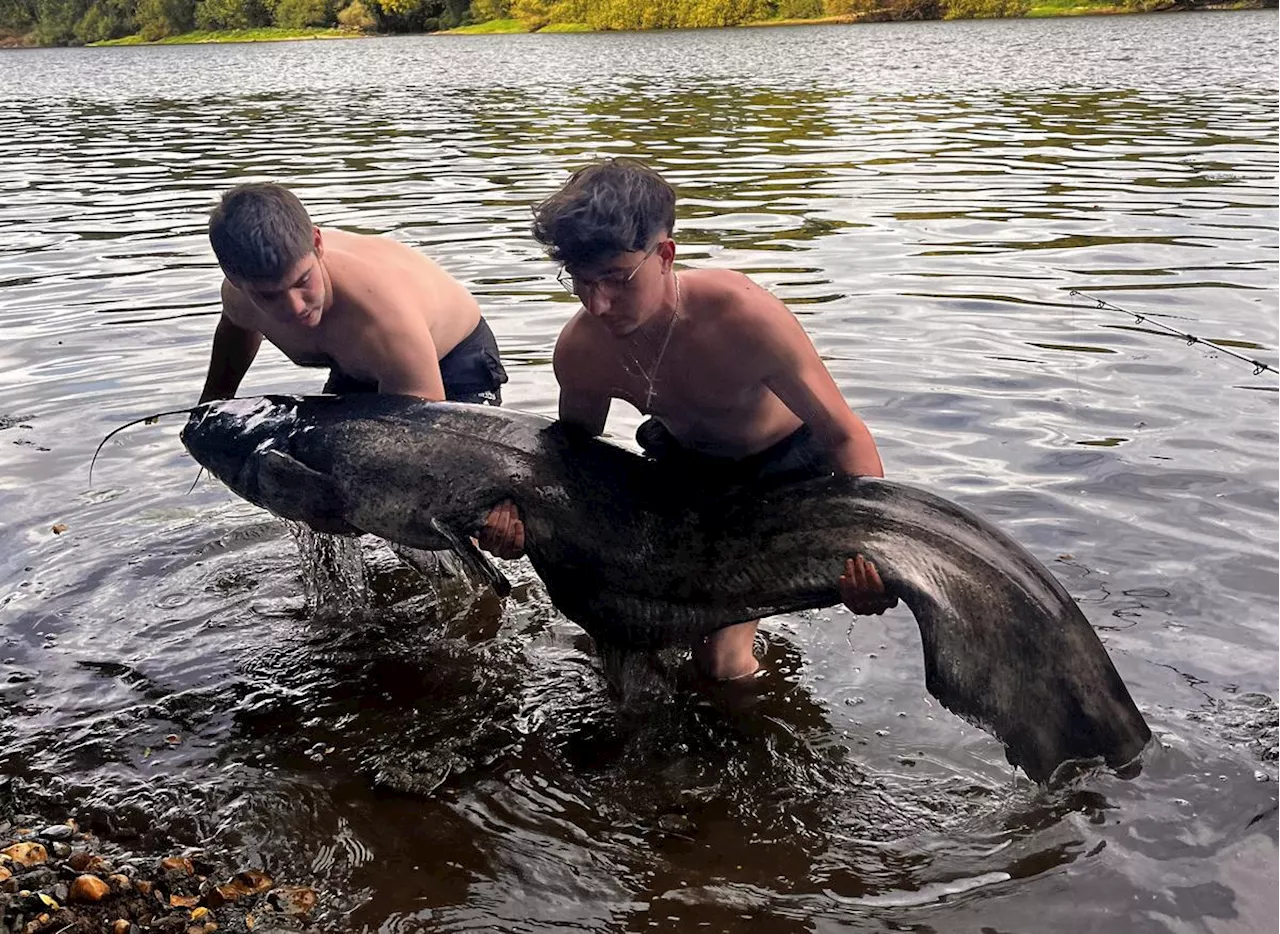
point(728, 654)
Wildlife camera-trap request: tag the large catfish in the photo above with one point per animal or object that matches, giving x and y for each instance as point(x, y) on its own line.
point(638, 556)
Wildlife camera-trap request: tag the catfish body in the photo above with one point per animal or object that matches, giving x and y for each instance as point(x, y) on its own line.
point(638, 557)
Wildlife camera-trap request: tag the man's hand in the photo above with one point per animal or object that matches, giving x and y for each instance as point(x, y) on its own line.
point(502, 533)
point(862, 590)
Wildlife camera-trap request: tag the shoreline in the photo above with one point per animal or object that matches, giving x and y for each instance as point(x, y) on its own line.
point(1049, 10)
point(221, 36)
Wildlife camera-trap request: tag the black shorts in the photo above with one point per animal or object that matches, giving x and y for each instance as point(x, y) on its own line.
point(472, 371)
point(796, 457)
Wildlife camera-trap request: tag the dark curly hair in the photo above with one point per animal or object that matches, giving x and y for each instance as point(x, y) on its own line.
point(609, 207)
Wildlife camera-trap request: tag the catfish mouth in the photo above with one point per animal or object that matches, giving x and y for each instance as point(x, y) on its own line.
point(224, 435)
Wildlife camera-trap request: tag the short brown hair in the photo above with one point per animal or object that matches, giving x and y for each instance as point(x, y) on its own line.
point(259, 231)
point(610, 207)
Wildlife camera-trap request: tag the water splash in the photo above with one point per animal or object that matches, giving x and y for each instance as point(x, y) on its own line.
point(334, 579)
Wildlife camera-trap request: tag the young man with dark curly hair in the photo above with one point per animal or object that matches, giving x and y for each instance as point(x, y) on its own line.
point(732, 385)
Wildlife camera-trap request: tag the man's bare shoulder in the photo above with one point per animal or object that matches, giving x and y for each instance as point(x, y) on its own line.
point(236, 307)
point(578, 354)
point(730, 296)
point(377, 250)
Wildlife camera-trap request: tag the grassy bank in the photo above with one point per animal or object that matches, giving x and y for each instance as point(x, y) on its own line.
point(491, 27)
point(509, 26)
point(1040, 8)
point(1043, 8)
point(262, 34)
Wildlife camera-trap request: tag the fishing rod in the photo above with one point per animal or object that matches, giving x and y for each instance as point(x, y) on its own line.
point(1258, 365)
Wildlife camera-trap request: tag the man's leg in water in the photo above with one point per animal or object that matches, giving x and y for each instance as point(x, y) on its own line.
point(728, 653)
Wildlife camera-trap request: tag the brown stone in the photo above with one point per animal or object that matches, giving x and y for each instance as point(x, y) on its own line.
point(294, 899)
point(37, 924)
point(98, 865)
point(80, 860)
point(178, 864)
point(252, 881)
point(183, 901)
point(249, 882)
point(4, 873)
point(88, 889)
point(143, 886)
point(27, 855)
point(120, 926)
point(119, 882)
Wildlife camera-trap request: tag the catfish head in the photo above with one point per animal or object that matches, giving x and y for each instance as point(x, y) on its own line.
point(247, 444)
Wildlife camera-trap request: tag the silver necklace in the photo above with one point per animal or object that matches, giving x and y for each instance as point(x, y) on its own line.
point(657, 363)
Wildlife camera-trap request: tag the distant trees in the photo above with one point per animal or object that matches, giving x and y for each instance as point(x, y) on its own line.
point(673, 14)
point(67, 22)
point(76, 22)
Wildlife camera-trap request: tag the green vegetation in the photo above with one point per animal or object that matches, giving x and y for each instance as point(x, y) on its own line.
point(262, 34)
point(491, 27)
point(1074, 7)
point(100, 22)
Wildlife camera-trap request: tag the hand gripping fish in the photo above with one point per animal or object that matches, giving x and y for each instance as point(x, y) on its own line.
point(639, 558)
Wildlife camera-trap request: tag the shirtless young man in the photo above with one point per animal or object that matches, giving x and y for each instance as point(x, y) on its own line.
point(733, 386)
point(380, 316)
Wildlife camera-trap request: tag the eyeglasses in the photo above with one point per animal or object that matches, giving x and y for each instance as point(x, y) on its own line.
point(578, 285)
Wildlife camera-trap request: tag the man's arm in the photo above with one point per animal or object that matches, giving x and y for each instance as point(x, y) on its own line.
point(233, 351)
point(796, 375)
point(582, 405)
point(407, 363)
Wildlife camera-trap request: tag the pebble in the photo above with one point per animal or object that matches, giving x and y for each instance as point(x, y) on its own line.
point(88, 889)
point(295, 899)
point(37, 878)
point(675, 823)
point(57, 832)
point(179, 865)
point(27, 854)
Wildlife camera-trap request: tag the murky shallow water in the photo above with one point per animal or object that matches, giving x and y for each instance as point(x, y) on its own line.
point(926, 196)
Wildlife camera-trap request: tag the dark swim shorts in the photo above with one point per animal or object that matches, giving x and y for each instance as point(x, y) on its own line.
point(472, 371)
point(796, 457)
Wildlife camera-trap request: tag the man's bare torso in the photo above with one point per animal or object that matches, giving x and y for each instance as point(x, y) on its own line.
point(375, 283)
point(709, 389)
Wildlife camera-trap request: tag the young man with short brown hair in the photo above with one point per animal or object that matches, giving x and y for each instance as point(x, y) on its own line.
point(381, 316)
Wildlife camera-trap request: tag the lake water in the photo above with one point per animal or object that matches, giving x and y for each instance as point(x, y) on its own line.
point(926, 197)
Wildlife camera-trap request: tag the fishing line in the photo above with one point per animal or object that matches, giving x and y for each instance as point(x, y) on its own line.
point(147, 419)
point(1258, 365)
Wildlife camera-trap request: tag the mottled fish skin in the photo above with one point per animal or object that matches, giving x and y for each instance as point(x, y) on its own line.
point(641, 558)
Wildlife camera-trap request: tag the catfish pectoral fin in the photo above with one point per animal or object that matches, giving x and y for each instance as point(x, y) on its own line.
point(475, 559)
point(296, 491)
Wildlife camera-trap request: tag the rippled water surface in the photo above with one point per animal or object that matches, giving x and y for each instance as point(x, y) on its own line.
point(926, 197)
